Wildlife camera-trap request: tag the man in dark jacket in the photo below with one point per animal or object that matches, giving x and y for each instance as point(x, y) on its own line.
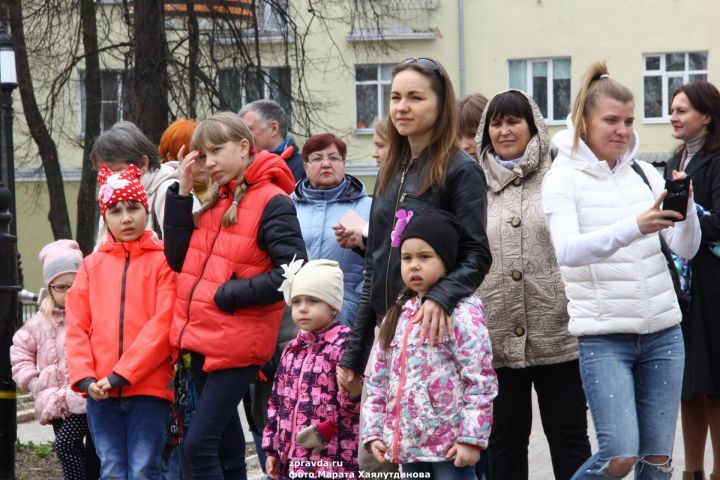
point(268, 123)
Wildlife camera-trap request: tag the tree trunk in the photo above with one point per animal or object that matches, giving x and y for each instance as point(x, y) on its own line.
point(194, 50)
point(58, 214)
point(150, 92)
point(87, 206)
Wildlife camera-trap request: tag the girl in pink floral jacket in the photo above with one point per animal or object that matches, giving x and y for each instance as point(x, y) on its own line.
point(39, 360)
point(312, 426)
point(429, 407)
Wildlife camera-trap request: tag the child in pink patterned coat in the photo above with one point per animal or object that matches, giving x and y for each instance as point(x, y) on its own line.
point(429, 407)
point(39, 360)
point(312, 427)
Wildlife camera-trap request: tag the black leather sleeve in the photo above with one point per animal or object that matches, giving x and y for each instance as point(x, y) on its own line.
point(466, 191)
point(359, 344)
point(178, 226)
point(280, 236)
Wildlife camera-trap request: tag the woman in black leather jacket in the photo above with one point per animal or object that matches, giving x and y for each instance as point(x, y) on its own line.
point(425, 169)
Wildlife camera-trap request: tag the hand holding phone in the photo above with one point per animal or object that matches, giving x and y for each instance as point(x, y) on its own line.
point(677, 197)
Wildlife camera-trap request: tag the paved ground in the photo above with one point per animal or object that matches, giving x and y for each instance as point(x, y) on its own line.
point(540, 466)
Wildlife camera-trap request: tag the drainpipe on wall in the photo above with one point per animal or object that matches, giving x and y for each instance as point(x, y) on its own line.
point(461, 45)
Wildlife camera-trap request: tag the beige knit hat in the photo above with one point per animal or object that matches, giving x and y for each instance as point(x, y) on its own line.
point(321, 279)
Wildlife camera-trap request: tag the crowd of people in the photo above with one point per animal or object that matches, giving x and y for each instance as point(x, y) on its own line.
point(400, 333)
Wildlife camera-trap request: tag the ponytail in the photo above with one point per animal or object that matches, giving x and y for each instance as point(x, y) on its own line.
point(596, 82)
point(389, 324)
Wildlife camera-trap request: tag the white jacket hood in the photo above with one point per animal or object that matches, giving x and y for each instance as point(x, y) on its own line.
point(153, 180)
point(583, 158)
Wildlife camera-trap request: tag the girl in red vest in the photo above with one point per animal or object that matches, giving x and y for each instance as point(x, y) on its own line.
point(229, 256)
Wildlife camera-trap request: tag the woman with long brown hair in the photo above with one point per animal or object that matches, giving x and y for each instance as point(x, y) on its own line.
point(425, 169)
point(696, 121)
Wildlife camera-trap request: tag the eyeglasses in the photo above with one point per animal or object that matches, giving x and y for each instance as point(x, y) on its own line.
point(319, 158)
point(60, 287)
point(428, 63)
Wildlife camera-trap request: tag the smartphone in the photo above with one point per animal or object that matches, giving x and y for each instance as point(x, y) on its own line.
point(677, 197)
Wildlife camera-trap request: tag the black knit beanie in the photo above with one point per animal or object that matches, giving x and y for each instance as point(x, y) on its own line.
point(441, 230)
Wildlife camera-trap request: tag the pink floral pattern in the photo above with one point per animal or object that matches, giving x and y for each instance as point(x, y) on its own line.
point(305, 392)
point(433, 396)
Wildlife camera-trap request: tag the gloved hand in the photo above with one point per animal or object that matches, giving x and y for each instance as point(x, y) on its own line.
point(316, 437)
point(309, 438)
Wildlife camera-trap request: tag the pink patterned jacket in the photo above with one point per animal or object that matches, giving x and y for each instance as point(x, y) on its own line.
point(422, 399)
point(39, 365)
point(305, 392)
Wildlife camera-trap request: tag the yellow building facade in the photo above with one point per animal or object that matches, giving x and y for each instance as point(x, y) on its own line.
point(487, 46)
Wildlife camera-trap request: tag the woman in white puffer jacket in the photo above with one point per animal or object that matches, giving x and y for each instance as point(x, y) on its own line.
point(604, 222)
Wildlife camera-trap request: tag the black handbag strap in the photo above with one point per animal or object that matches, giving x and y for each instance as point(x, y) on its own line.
point(664, 247)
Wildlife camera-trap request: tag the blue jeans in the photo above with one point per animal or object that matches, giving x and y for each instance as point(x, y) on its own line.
point(632, 384)
point(129, 435)
point(214, 445)
point(441, 470)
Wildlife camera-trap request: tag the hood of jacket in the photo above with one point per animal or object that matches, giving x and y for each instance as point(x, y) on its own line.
point(349, 190)
point(153, 180)
point(149, 241)
point(269, 167)
point(584, 159)
point(537, 149)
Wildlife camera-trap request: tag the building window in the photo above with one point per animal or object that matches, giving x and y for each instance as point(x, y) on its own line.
point(547, 81)
point(663, 73)
point(114, 102)
point(372, 94)
point(239, 87)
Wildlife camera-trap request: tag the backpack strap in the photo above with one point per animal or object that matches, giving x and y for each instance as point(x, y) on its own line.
point(664, 247)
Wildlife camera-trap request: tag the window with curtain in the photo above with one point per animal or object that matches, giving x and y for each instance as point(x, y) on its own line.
point(547, 81)
point(663, 73)
point(372, 94)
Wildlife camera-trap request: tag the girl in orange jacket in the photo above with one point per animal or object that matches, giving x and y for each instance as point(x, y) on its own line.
point(229, 309)
point(118, 317)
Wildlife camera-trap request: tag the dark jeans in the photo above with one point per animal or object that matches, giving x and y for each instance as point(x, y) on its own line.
point(215, 442)
point(563, 412)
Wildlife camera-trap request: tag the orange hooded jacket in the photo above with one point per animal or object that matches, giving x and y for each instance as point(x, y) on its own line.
point(118, 315)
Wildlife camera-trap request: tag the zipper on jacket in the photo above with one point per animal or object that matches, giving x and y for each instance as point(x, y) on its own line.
point(122, 308)
point(394, 220)
point(192, 290)
point(297, 398)
point(403, 359)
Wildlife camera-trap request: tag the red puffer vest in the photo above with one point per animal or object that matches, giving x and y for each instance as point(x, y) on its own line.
point(216, 254)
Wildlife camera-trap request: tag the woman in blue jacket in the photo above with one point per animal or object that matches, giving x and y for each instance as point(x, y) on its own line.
point(321, 199)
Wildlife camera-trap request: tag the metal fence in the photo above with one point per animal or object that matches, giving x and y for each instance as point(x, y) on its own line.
point(27, 306)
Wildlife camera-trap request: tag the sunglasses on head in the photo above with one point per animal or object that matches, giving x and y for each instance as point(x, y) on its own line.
point(428, 63)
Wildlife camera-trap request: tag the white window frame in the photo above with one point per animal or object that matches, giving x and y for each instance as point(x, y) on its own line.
point(665, 75)
point(549, 61)
point(81, 99)
point(368, 130)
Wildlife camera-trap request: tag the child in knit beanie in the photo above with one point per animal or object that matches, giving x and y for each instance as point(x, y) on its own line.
point(312, 427)
point(429, 406)
point(39, 360)
point(119, 313)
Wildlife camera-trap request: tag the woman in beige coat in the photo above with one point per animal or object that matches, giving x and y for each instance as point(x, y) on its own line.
point(525, 297)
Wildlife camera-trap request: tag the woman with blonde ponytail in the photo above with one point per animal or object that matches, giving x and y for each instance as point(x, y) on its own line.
point(603, 211)
point(229, 258)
